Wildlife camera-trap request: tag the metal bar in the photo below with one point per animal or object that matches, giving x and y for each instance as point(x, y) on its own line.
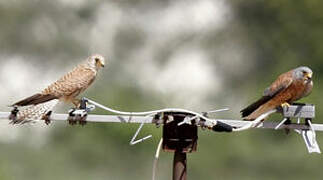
point(178, 110)
point(179, 166)
point(272, 125)
point(95, 118)
point(281, 123)
point(256, 122)
point(147, 119)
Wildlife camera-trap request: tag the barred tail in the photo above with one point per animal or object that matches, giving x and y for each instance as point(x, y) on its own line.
point(34, 112)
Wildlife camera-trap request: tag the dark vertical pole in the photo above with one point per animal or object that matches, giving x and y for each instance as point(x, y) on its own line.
point(179, 166)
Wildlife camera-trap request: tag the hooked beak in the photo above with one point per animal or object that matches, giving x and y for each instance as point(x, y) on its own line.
point(309, 76)
point(100, 64)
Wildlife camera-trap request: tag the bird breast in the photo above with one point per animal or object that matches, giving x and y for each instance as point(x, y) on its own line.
point(308, 88)
point(303, 89)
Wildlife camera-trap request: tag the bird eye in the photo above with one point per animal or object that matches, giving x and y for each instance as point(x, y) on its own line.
point(96, 59)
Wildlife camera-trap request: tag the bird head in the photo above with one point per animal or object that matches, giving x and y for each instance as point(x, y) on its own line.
point(303, 73)
point(96, 61)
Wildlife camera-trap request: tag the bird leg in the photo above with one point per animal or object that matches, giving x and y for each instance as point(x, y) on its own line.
point(76, 102)
point(85, 110)
point(79, 114)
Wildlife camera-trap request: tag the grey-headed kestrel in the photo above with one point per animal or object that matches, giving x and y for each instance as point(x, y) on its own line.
point(66, 89)
point(289, 87)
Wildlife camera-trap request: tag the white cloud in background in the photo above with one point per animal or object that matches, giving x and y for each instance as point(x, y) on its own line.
point(73, 3)
point(187, 72)
point(15, 75)
point(21, 78)
point(187, 78)
point(160, 24)
point(103, 32)
point(188, 16)
point(44, 30)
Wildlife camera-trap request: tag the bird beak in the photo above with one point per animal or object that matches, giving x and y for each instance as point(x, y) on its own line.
point(308, 76)
point(102, 65)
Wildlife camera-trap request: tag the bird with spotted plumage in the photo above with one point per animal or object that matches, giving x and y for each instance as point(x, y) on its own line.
point(286, 89)
point(66, 89)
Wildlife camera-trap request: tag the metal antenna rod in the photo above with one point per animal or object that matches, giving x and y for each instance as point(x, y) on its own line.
point(256, 122)
point(151, 112)
point(281, 123)
point(134, 141)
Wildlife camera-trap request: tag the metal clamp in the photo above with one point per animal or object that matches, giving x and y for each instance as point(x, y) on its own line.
point(80, 115)
point(307, 112)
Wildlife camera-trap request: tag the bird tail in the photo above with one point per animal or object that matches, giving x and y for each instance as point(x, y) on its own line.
point(259, 111)
point(254, 106)
point(34, 113)
point(35, 99)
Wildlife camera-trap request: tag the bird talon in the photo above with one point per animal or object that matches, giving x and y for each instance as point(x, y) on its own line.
point(285, 104)
point(46, 117)
point(13, 114)
point(77, 115)
point(72, 120)
point(47, 122)
point(82, 118)
point(83, 121)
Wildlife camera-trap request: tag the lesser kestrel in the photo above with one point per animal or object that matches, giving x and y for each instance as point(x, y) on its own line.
point(65, 89)
point(289, 87)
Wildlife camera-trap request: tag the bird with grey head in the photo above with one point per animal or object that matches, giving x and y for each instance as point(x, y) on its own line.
point(286, 89)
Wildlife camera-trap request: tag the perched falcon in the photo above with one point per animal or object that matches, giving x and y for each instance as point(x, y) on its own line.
point(65, 89)
point(289, 87)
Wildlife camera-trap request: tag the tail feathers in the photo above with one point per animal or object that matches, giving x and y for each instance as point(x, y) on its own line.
point(35, 99)
point(34, 112)
point(259, 111)
point(254, 106)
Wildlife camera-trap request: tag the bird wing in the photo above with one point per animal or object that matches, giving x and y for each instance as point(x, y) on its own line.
point(72, 83)
point(35, 99)
point(280, 84)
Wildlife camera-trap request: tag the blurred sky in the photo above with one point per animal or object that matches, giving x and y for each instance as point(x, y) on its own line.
point(157, 47)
